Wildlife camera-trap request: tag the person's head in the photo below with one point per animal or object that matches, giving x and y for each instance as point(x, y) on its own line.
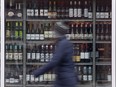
point(60, 29)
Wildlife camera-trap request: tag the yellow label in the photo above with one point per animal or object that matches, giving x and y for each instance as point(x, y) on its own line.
point(7, 33)
point(77, 58)
point(16, 34)
point(74, 58)
point(20, 34)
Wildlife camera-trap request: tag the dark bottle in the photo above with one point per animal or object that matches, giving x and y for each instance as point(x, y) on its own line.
point(32, 31)
point(10, 54)
point(8, 31)
point(102, 15)
point(77, 31)
point(71, 10)
point(7, 52)
point(42, 32)
point(50, 51)
point(20, 31)
point(15, 53)
point(79, 9)
point(81, 32)
point(16, 30)
point(28, 10)
point(87, 53)
point(75, 9)
point(98, 11)
point(102, 31)
point(28, 32)
point(45, 9)
point(86, 9)
point(50, 10)
point(32, 10)
point(72, 35)
point(28, 51)
point(36, 10)
point(85, 73)
point(106, 14)
point(90, 77)
point(82, 53)
point(42, 59)
point(80, 73)
point(37, 32)
point(20, 53)
point(90, 34)
point(90, 14)
point(47, 56)
point(107, 32)
point(33, 53)
point(41, 10)
point(54, 13)
point(77, 58)
point(37, 55)
point(98, 31)
point(86, 35)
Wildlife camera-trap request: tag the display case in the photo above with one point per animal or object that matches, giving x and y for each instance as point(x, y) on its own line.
point(30, 43)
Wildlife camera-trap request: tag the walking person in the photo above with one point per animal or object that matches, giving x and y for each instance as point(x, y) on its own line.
point(62, 59)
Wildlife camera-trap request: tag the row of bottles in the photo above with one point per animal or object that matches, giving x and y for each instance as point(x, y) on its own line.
point(58, 9)
point(13, 74)
point(46, 78)
point(39, 31)
point(41, 53)
point(103, 31)
point(14, 9)
point(14, 30)
point(103, 11)
point(82, 52)
point(14, 53)
point(84, 73)
point(103, 74)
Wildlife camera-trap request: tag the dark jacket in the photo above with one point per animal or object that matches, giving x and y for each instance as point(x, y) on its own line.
point(62, 61)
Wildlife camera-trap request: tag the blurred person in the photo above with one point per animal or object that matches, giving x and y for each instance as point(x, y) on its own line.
point(62, 59)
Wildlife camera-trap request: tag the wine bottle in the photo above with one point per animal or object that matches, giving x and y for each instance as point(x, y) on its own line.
point(33, 53)
point(42, 53)
point(8, 31)
point(109, 76)
point(78, 59)
point(75, 9)
point(50, 10)
point(98, 31)
point(28, 31)
point(106, 12)
point(79, 9)
point(36, 10)
point(10, 54)
point(72, 35)
point(81, 32)
point(71, 10)
point(15, 53)
point(20, 30)
point(19, 12)
point(20, 53)
point(41, 9)
point(46, 35)
point(16, 30)
point(42, 32)
point(97, 11)
point(86, 35)
point(37, 31)
point(32, 10)
point(106, 32)
point(80, 73)
point(37, 55)
point(90, 35)
point(7, 52)
point(54, 13)
point(85, 73)
point(90, 77)
point(102, 12)
point(82, 53)
point(87, 53)
point(86, 10)
point(77, 31)
point(102, 32)
point(45, 9)
point(47, 56)
point(32, 31)
point(28, 50)
point(90, 14)
point(28, 10)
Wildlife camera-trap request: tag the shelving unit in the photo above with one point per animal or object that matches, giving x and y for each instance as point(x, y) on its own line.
point(24, 42)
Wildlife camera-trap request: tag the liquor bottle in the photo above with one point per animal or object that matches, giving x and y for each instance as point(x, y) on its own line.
point(90, 14)
point(86, 35)
point(54, 13)
point(16, 31)
point(32, 10)
point(102, 31)
point(42, 53)
point(33, 52)
point(72, 35)
point(45, 9)
point(15, 53)
point(42, 32)
point(97, 11)
point(28, 31)
point(50, 10)
point(77, 53)
point(106, 32)
point(66, 10)
point(50, 51)
point(19, 13)
point(82, 53)
point(63, 15)
point(20, 53)
point(87, 53)
point(10, 12)
point(41, 10)
point(80, 73)
point(85, 73)
point(110, 11)
point(12, 35)
point(37, 55)
point(90, 34)
point(50, 32)
point(7, 52)
point(10, 54)
point(77, 31)
point(20, 30)
point(46, 35)
point(71, 10)
point(81, 32)
point(90, 77)
point(36, 10)
point(102, 15)
point(98, 31)
point(75, 9)
point(28, 9)
point(106, 12)
point(86, 10)
point(37, 31)
point(32, 31)
point(109, 76)
point(79, 9)
point(47, 56)
point(8, 31)
point(28, 50)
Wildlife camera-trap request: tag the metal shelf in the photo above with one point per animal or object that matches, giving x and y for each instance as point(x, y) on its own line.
point(59, 20)
point(106, 19)
point(90, 63)
point(14, 85)
point(13, 42)
point(103, 41)
point(14, 19)
point(103, 63)
point(14, 63)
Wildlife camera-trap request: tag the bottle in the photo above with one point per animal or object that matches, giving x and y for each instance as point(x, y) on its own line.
point(42, 53)
point(72, 35)
point(19, 13)
point(82, 53)
point(50, 32)
point(62, 10)
point(42, 32)
point(41, 9)
point(37, 32)
point(45, 9)
point(10, 54)
point(90, 34)
point(33, 52)
point(28, 51)
point(106, 12)
point(50, 52)
point(12, 35)
point(54, 13)
point(90, 77)
point(16, 31)
point(28, 10)
point(79, 9)
point(37, 55)
point(71, 10)
point(32, 10)
point(109, 76)
point(80, 73)
point(20, 30)
point(87, 53)
point(78, 59)
point(77, 32)
point(102, 32)
point(27, 76)
point(50, 10)
point(36, 10)
point(90, 14)
point(8, 31)
point(12, 80)
point(75, 9)
point(32, 31)
point(85, 73)
point(81, 32)
point(102, 15)
point(20, 53)
point(47, 56)
point(28, 31)
point(10, 12)
point(86, 35)
point(15, 53)
point(16, 78)
point(98, 31)
point(46, 35)
point(107, 32)
point(97, 53)
point(97, 11)
point(7, 52)
point(86, 10)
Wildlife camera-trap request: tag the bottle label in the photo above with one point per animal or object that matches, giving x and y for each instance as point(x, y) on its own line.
point(45, 12)
point(7, 57)
point(90, 77)
point(37, 36)
point(68, 36)
point(32, 78)
point(12, 80)
point(28, 36)
point(41, 36)
point(28, 12)
point(77, 58)
point(36, 12)
point(97, 14)
point(16, 56)
point(87, 56)
point(7, 80)
point(106, 15)
point(46, 57)
point(36, 79)
point(20, 56)
point(50, 34)
point(32, 12)
point(90, 15)
point(28, 55)
point(70, 12)
point(85, 12)
point(85, 36)
point(32, 36)
point(85, 77)
point(109, 77)
point(41, 78)
point(45, 77)
point(46, 34)
point(75, 13)
point(10, 56)
point(42, 57)
point(101, 14)
point(33, 56)
point(49, 77)
point(79, 13)
point(37, 56)
point(90, 36)
point(27, 77)
point(41, 12)
point(82, 55)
